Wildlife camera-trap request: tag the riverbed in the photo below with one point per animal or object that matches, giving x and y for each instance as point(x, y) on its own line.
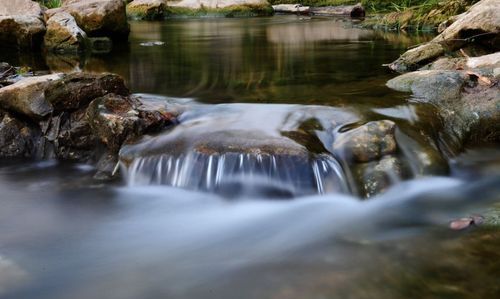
point(64, 234)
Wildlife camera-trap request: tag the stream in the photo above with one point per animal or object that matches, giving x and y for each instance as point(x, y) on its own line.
point(243, 198)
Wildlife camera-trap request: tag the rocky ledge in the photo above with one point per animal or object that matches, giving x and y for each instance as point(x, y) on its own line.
point(464, 88)
point(81, 116)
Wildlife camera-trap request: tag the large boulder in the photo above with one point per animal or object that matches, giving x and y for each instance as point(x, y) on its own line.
point(228, 8)
point(21, 24)
point(97, 17)
point(147, 9)
point(468, 102)
point(37, 97)
point(63, 35)
point(479, 25)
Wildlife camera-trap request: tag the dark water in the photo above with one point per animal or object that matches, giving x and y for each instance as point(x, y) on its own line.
point(65, 235)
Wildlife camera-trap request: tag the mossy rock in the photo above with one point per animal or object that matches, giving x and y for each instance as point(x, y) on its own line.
point(146, 9)
point(228, 11)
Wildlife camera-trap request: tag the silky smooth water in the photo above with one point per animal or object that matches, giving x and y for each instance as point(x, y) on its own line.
point(65, 235)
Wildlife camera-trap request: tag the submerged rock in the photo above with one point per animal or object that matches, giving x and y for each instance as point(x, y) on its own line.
point(97, 17)
point(368, 142)
point(147, 9)
point(376, 177)
point(21, 24)
point(64, 36)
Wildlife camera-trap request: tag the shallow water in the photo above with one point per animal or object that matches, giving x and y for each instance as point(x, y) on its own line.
point(65, 235)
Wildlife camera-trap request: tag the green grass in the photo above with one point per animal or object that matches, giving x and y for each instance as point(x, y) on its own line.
point(51, 3)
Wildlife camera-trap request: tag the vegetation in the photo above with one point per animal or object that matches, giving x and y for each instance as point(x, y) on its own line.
point(51, 3)
point(400, 14)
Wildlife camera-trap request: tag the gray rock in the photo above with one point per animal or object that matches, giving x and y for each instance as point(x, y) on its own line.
point(27, 96)
point(431, 84)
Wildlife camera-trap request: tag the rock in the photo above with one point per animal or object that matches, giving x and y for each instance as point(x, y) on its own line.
point(27, 97)
point(21, 24)
point(64, 36)
point(37, 97)
point(377, 176)
point(368, 142)
point(291, 8)
point(479, 25)
point(71, 136)
point(147, 9)
point(6, 72)
point(228, 8)
point(77, 90)
point(97, 17)
point(431, 84)
point(353, 11)
point(114, 119)
point(17, 138)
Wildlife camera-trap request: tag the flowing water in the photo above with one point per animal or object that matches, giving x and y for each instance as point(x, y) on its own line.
point(246, 197)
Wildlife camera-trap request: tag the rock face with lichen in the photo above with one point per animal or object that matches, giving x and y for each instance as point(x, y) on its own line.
point(97, 17)
point(147, 9)
point(21, 24)
point(64, 36)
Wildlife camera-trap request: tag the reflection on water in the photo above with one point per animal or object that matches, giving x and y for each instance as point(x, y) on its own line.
point(285, 59)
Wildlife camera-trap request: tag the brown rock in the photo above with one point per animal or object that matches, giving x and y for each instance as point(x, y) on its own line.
point(97, 17)
point(17, 138)
point(368, 142)
point(63, 35)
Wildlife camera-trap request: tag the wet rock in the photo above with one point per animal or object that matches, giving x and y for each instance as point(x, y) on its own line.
point(114, 119)
point(376, 177)
point(72, 136)
point(368, 142)
point(147, 9)
point(21, 24)
point(17, 138)
point(107, 167)
point(27, 96)
point(76, 90)
point(479, 25)
point(63, 35)
point(97, 17)
point(431, 84)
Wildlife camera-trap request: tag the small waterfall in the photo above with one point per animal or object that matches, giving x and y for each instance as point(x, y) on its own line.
point(240, 173)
